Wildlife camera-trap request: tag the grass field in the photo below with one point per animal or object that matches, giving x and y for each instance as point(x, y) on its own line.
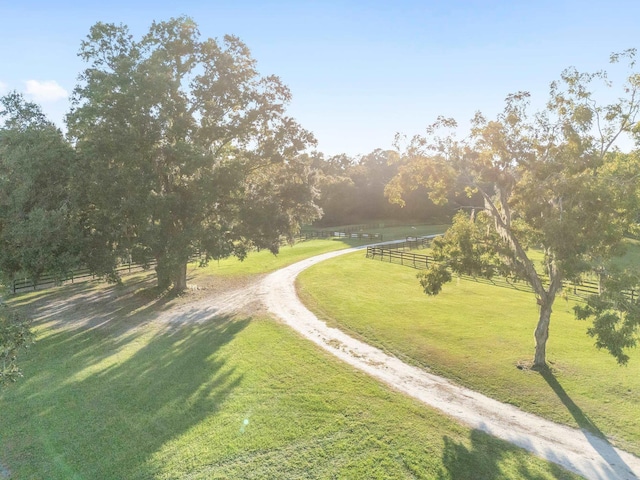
point(478, 334)
point(264, 261)
point(108, 393)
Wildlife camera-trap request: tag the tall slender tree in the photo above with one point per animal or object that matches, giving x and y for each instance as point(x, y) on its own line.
point(550, 181)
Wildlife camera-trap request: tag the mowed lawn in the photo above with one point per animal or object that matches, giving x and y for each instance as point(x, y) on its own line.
point(264, 261)
point(479, 334)
point(109, 393)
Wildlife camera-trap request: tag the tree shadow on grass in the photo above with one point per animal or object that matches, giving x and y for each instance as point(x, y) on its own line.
point(100, 402)
point(491, 459)
point(592, 433)
point(97, 304)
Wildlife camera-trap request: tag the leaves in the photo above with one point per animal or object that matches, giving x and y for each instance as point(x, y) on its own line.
point(185, 148)
point(433, 278)
point(36, 224)
point(553, 180)
point(615, 315)
point(15, 335)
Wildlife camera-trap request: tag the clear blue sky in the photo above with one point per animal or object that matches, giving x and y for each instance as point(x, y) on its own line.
point(359, 71)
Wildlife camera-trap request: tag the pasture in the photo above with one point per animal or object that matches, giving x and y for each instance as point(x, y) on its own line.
point(111, 393)
point(481, 336)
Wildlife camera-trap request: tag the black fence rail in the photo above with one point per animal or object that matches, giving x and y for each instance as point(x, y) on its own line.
point(77, 275)
point(411, 243)
point(393, 254)
point(48, 280)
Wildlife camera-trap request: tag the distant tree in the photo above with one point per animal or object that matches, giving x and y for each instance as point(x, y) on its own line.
point(549, 181)
point(352, 191)
point(338, 193)
point(35, 215)
point(185, 148)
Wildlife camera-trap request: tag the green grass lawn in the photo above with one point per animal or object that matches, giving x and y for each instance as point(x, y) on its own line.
point(264, 261)
point(110, 394)
point(478, 334)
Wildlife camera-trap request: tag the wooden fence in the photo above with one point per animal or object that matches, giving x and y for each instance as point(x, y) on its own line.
point(84, 273)
point(71, 277)
point(411, 243)
point(363, 236)
point(398, 255)
point(393, 254)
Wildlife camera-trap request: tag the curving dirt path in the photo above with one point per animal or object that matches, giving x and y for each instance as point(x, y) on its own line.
point(576, 450)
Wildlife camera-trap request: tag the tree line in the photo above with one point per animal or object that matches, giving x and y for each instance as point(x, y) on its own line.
point(352, 191)
point(176, 144)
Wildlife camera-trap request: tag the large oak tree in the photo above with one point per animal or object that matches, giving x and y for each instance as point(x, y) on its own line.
point(185, 148)
point(552, 181)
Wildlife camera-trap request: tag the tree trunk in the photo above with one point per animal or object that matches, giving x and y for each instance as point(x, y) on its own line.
point(163, 272)
point(180, 278)
point(541, 335)
point(169, 273)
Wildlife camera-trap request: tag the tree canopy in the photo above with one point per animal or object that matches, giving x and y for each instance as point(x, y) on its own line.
point(554, 180)
point(184, 148)
point(36, 225)
point(352, 191)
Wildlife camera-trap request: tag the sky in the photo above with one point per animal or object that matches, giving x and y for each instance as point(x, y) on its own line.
point(359, 71)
